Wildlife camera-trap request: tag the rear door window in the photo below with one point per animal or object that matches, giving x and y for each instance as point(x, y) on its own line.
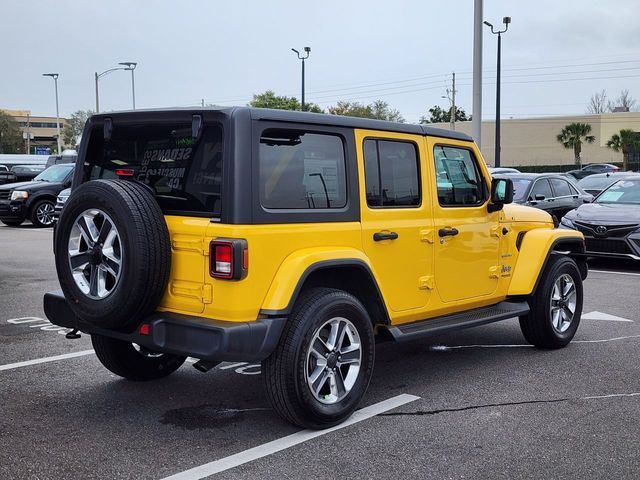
point(184, 173)
point(561, 187)
point(392, 176)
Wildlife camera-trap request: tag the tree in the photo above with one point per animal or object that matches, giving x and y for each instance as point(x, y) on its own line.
point(10, 134)
point(439, 115)
point(572, 136)
point(626, 141)
point(624, 103)
point(74, 126)
point(598, 103)
point(378, 110)
point(269, 99)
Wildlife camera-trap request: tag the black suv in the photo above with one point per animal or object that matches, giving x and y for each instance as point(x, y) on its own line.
point(34, 200)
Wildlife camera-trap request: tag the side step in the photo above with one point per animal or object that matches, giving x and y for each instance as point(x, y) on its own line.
point(458, 321)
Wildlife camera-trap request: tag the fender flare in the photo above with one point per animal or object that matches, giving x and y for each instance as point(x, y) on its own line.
point(535, 252)
point(281, 297)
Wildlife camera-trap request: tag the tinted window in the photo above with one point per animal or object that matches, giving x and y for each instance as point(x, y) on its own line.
point(561, 187)
point(541, 187)
point(391, 173)
point(520, 187)
point(458, 178)
point(185, 174)
point(301, 170)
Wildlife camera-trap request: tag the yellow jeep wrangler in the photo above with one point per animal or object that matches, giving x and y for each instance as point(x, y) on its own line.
point(296, 239)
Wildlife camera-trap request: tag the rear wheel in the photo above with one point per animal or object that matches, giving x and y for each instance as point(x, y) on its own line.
point(42, 214)
point(132, 361)
point(555, 306)
point(321, 368)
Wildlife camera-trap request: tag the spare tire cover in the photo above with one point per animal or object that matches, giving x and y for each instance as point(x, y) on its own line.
point(113, 253)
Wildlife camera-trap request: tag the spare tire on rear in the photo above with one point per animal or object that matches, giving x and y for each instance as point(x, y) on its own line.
point(113, 253)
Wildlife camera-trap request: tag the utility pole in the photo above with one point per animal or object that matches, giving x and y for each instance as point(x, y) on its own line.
point(477, 72)
point(453, 101)
point(28, 134)
point(97, 96)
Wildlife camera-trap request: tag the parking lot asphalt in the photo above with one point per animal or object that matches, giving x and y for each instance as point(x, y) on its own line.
point(487, 406)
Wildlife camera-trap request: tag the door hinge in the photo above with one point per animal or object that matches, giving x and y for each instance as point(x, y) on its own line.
point(495, 231)
point(207, 294)
point(494, 271)
point(426, 236)
point(425, 283)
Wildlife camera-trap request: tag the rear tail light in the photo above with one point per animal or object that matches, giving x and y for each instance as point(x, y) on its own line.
point(229, 258)
point(124, 172)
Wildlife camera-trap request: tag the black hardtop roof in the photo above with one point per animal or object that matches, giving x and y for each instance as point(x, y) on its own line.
point(302, 117)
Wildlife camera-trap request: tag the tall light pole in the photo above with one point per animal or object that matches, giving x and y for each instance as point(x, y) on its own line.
point(477, 72)
point(307, 51)
point(98, 76)
point(131, 66)
point(506, 21)
point(55, 80)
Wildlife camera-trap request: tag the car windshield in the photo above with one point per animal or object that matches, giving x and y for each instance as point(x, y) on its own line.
point(623, 191)
point(56, 173)
point(520, 187)
point(596, 182)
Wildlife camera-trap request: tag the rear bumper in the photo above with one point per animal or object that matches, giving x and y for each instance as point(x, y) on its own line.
point(202, 338)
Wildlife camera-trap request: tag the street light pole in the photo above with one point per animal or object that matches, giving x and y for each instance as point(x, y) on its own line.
point(506, 21)
point(129, 66)
point(477, 72)
point(55, 80)
point(307, 51)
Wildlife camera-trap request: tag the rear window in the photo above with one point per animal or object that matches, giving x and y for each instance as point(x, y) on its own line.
point(184, 173)
point(302, 170)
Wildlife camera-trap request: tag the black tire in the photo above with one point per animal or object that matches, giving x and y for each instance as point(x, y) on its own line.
point(285, 371)
point(538, 326)
point(12, 223)
point(142, 230)
point(123, 359)
point(34, 214)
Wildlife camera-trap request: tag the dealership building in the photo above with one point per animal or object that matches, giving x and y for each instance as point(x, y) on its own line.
point(37, 132)
point(532, 141)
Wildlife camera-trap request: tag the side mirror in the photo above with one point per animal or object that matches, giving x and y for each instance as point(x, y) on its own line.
point(540, 197)
point(501, 193)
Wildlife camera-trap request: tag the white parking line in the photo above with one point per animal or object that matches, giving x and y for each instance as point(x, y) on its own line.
point(289, 441)
point(614, 272)
point(11, 366)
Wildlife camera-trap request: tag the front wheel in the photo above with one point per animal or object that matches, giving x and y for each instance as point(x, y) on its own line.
point(322, 366)
point(134, 362)
point(555, 306)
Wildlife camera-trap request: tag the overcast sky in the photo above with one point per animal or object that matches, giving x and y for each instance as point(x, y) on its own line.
point(555, 54)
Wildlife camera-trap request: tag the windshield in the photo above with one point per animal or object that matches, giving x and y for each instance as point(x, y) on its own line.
point(520, 187)
point(623, 191)
point(56, 173)
point(184, 173)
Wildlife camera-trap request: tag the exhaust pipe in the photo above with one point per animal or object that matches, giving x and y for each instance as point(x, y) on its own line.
point(204, 365)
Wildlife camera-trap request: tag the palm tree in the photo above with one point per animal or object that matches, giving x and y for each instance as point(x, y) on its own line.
point(572, 136)
point(625, 142)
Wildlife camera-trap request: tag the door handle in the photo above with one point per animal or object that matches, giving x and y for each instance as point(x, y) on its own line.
point(448, 232)
point(379, 236)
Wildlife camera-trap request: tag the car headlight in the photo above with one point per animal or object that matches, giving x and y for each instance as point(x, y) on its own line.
point(567, 223)
point(18, 194)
